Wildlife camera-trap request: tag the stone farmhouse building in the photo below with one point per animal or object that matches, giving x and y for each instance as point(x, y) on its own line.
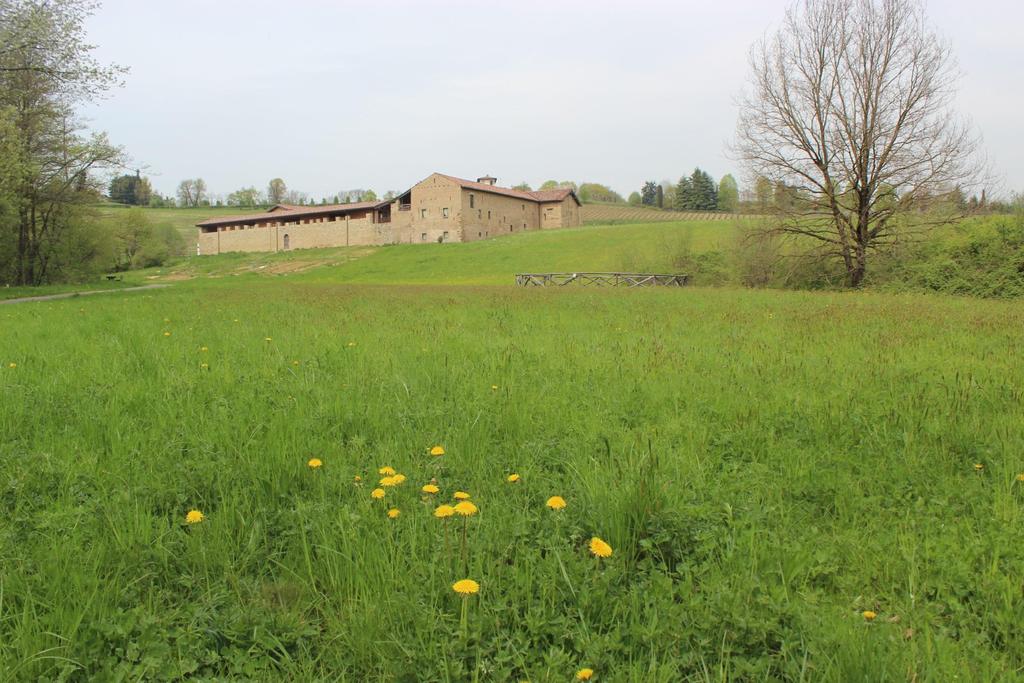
point(440, 208)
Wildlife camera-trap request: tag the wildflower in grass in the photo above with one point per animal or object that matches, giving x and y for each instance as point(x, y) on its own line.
point(584, 674)
point(461, 495)
point(194, 517)
point(167, 320)
point(295, 362)
point(466, 587)
point(465, 508)
point(12, 365)
point(167, 333)
point(430, 488)
point(357, 479)
point(444, 511)
point(556, 503)
point(399, 478)
point(387, 481)
point(377, 494)
point(494, 387)
point(388, 471)
point(393, 513)
point(868, 615)
point(351, 344)
point(203, 349)
point(600, 548)
point(315, 463)
point(267, 339)
point(437, 450)
point(978, 467)
point(204, 366)
point(1020, 477)
point(512, 478)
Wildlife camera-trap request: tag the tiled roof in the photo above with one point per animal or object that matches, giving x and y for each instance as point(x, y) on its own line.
point(535, 196)
point(284, 211)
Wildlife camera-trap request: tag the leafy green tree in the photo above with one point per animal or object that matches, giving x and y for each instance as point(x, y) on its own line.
point(276, 191)
point(523, 187)
point(649, 193)
point(47, 73)
point(728, 194)
point(369, 196)
point(635, 199)
point(595, 192)
point(247, 196)
point(133, 190)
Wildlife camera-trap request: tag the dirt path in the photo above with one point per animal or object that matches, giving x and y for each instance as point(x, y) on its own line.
point(69, 295)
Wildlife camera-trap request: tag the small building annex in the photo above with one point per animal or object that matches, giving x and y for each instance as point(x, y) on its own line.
point(440, 208)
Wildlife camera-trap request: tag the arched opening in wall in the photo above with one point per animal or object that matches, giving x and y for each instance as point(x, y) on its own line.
point(287, 242)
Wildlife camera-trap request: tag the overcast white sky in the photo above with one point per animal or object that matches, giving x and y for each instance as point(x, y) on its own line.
point(339, 95)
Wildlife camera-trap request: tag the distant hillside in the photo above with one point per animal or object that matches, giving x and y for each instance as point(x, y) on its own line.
point(623, 213)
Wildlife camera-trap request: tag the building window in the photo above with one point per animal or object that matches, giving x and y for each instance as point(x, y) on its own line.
point(479, 213)
point(510, 228)
point(423, 237)
point(472, 201)
point(524, 207)
point(479, 234)
point(444, 236)
point(444, 212)
point(488, 215)
point(287, 242)
point(423, 213)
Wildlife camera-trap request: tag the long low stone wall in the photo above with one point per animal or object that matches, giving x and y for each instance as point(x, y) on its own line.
point(357, 232)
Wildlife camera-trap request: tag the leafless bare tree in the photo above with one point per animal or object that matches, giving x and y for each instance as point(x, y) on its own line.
point(849, 107)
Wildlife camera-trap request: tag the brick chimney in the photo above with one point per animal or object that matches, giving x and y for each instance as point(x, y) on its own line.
point(488, 180)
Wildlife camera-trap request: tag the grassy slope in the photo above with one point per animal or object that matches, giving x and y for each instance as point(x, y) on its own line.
point(766, 465)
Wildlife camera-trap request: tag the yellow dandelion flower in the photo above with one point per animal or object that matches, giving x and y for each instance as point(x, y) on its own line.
point(1020, 477)
point(978, 466)
point(12, 365)
point(443, 511)
point(377, 494)
point(203, 349)
point(437, 450)
point(388, 481)
point(399, 478)
point(393, 513)
point(584, 674)
point(204, 366)
point(461, 495)
point(466, 587)
point(194, 517)
point(315, 463)
point(388, 471)
point(494, 387)
point(466, 508)
point(351, 344)
point(167, 320)
point(868, 615)
point(600, 548)
point(267, 339)
point(512, 478)
point(430, 488)
point(556, 503)
point(295, 362)
point(357, 479)
point(167, 334)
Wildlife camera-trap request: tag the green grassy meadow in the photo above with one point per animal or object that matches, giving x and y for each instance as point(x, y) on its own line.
point(766, 465)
